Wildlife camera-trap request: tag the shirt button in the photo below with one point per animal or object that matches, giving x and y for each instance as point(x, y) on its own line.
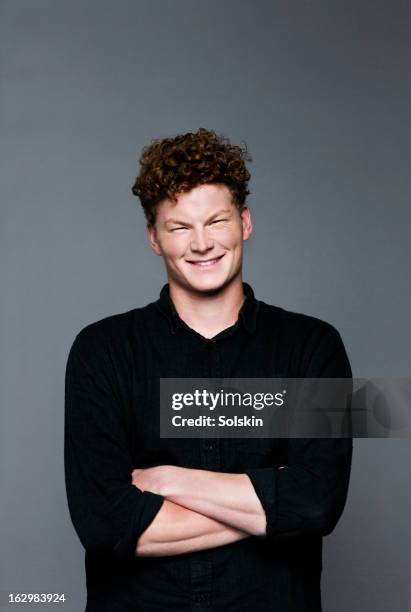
point(200, 597)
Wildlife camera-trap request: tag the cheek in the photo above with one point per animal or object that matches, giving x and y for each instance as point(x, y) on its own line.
point(175, 248)
point(231, 240)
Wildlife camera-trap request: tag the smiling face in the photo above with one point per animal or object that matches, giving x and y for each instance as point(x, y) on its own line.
point(201, 238)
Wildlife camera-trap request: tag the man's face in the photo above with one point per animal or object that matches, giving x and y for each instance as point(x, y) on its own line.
point(201, 238)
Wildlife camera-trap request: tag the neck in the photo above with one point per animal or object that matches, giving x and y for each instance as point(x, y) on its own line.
point(209, 313)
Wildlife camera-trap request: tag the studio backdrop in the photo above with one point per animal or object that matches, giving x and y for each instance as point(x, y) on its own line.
point(319, 92)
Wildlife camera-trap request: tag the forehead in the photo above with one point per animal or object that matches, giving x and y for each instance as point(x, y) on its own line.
point(200, 202)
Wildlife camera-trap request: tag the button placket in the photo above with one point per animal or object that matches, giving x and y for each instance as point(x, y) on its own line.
point(210, 448)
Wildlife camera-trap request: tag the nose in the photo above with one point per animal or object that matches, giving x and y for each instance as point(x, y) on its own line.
point(201, 242)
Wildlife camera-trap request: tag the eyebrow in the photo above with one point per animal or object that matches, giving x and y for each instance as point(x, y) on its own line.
point(213, 216)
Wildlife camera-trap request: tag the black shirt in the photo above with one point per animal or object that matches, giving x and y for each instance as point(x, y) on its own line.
point(112, 427)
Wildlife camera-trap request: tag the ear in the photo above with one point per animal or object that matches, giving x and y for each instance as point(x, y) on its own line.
point(152, 236)
point(247, 224)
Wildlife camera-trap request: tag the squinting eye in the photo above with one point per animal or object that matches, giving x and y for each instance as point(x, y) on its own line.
point(177, 228)
point(217, 221)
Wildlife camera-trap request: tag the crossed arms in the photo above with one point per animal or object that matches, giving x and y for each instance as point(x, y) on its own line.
point(202, 509)
point(169, 510)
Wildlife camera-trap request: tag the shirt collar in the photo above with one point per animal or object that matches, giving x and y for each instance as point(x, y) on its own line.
point(247, 314)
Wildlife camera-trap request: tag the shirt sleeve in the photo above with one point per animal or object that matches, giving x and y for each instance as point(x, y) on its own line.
point(307, 498)
point(108, 512)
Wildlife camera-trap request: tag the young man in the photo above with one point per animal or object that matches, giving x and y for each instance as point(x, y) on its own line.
point(198, 524)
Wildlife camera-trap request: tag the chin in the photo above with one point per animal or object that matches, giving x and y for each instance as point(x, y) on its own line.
point(208, 285)
point(203, 285)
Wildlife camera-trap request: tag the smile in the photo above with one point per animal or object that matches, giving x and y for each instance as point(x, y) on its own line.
point(206, 263)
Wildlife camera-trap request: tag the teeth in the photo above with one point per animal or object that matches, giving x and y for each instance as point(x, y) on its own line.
point(205, 263)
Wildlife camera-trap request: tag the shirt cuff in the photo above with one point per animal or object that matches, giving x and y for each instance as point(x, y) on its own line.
point(150, 504)
point(264, 482)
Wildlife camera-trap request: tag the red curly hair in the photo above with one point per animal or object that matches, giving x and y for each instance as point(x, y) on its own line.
point(171, 166)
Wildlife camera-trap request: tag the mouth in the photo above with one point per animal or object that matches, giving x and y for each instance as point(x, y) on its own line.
point(205, 263)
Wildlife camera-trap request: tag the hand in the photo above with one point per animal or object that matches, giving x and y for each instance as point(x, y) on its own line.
point(151, 479)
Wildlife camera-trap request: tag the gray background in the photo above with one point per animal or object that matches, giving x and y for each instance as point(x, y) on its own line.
point(320, 92)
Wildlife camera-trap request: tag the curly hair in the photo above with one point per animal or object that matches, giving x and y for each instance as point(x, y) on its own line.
point(171, 166)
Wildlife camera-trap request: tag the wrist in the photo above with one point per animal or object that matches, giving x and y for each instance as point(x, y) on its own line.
point(176, 479)
point(169, 480)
